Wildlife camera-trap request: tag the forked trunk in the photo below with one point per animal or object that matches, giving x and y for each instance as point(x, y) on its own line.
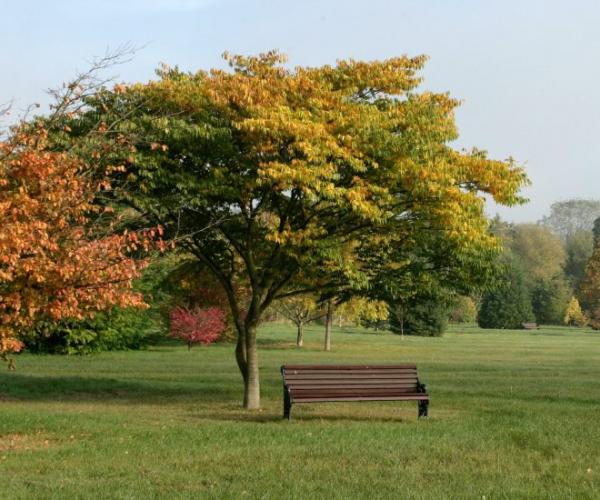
point(328, 321)
point(300, 336)
point(246, 352)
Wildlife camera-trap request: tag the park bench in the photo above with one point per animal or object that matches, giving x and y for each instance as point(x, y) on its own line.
point(326, 383)
point(530, 326)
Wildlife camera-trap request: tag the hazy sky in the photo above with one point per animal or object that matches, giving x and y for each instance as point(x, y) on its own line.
point(528, 71)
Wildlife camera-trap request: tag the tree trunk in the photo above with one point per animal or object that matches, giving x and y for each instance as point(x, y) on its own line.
point(400, 316)
point(246, 351)
point(402, 327)
point(328, 322)
point(300, 337)
point(240, 354)
point(251, 380)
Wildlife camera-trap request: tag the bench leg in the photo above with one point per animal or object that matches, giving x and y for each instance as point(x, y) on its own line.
point(287, 405)
point(423, 408)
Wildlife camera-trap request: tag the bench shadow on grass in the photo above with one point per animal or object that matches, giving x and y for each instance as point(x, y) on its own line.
point(372, 412)
point(270, 418)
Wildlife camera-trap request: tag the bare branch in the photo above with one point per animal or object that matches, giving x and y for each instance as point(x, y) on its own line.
point(70, 97)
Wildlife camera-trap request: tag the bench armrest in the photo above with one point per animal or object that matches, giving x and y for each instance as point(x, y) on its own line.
point(421, 387)
point(282, 370)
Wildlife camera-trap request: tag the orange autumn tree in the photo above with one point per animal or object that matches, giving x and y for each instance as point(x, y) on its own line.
point(54, 262)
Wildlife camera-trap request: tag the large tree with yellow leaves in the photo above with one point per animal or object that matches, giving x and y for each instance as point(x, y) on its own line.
point(288, 181)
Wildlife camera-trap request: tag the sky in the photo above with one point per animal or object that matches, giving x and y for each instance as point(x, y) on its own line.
point(527, 72)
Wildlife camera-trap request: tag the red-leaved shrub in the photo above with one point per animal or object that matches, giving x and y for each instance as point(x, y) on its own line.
point(198, 325)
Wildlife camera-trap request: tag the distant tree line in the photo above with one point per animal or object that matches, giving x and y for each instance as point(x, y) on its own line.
point(551, 270)
point(547, 273)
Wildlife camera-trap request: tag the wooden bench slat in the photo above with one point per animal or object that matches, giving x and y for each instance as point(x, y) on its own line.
point(349, 376)
point(326, 368)
point(361, 373)
point(354, 380)
point(354, 393)
point(354, 390)
point(399, 395)
point(361, 388)
point(405, 388)
point(349, 383)
point(341, 380)
point(416, 397)
point(346, 367)
point(339, 376)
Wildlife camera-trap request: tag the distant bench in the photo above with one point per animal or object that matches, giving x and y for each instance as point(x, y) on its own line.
point(530, 326)
point(326, 383)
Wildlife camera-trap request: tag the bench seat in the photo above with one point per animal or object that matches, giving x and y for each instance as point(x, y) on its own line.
point(331, 383)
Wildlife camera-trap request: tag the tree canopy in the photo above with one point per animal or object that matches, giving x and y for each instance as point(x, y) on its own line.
point(569, 216)
point(509, 305)
point(589, 288)
point(305, 180)
point(578, 246)
point(540, 251)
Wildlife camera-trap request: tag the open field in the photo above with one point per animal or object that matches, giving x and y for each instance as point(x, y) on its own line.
point(513, 415)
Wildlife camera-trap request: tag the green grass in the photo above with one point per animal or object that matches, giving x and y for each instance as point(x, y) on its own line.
point(513, 415)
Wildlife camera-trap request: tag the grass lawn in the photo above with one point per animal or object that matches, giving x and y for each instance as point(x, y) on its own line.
point(512, 415)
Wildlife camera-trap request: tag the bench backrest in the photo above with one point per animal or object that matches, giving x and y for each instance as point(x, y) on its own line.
point(374, 378)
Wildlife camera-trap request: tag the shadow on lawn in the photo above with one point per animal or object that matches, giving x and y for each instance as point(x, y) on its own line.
point(271, 415)
point(17, 387)
point(272, 412)
point(207, 402)
point(299, 419)
point(284, 345)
